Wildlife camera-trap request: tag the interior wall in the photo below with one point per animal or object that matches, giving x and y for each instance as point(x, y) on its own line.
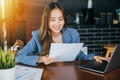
point(32, 12)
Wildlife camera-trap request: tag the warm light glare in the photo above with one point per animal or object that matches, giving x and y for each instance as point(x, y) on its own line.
point(7, 15)
point(4, 36)
point(3, 9)
point(4, 25)
point(8, 9)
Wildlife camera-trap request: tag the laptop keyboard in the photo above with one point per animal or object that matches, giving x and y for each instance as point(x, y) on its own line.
point(96, 65)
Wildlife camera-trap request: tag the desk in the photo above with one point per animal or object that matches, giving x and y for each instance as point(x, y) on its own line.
point(70, 71)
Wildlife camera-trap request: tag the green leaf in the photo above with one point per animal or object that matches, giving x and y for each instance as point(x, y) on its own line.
point(7, 59)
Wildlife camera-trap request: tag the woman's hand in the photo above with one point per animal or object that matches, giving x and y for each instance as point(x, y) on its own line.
point(100, 58)
point(46, 60)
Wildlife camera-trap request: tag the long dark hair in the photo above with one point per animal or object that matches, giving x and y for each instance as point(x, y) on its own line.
point(45, 34)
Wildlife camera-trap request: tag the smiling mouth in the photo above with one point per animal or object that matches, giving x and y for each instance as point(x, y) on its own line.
point(57, 28)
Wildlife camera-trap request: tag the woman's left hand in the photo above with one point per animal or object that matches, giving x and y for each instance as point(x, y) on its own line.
point(100, 58)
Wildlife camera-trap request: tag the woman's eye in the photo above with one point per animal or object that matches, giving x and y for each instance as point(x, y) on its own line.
point(60, 19)
point(52, 20)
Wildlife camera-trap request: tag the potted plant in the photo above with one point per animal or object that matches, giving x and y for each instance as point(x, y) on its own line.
point(7, 65)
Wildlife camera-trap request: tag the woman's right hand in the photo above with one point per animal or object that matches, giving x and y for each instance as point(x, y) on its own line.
point(46, 60)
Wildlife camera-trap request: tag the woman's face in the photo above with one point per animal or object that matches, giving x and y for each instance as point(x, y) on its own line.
point(56, 21)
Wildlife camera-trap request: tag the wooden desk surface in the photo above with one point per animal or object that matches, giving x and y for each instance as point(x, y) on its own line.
point(70, 71)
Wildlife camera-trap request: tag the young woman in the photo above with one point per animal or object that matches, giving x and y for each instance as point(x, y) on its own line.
point(52, 30)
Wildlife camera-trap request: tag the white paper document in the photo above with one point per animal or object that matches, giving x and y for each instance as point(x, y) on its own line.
point(27, 73)
point(65, 51)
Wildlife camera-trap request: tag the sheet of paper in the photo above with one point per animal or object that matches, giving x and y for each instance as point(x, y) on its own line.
point(65, 51)
point(28, 73)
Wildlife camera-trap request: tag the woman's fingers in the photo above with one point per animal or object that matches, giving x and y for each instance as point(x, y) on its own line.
point(48, 60)
point(100, 59)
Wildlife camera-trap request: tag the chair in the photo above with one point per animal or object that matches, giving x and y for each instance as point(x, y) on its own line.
point(110, 48)
point(18, 45)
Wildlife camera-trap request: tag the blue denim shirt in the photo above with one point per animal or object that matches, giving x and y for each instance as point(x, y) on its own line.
point(31, 52)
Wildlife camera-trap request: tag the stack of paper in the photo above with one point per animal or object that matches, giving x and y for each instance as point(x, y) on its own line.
point(28, 73)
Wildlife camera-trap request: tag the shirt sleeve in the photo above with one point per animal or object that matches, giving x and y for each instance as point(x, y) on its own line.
point(83, 56)
point(29, 54)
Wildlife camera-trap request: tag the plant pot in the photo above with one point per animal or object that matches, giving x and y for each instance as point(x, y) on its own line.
point(7, 74)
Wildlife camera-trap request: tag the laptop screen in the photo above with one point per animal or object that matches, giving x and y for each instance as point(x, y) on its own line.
point(114, 61)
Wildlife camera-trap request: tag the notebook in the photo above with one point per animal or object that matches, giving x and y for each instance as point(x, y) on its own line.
point(105, 66)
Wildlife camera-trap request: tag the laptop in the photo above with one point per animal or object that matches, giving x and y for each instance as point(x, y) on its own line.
point(105, 66)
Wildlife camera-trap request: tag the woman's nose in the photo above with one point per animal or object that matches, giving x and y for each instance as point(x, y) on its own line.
point(57, 22)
